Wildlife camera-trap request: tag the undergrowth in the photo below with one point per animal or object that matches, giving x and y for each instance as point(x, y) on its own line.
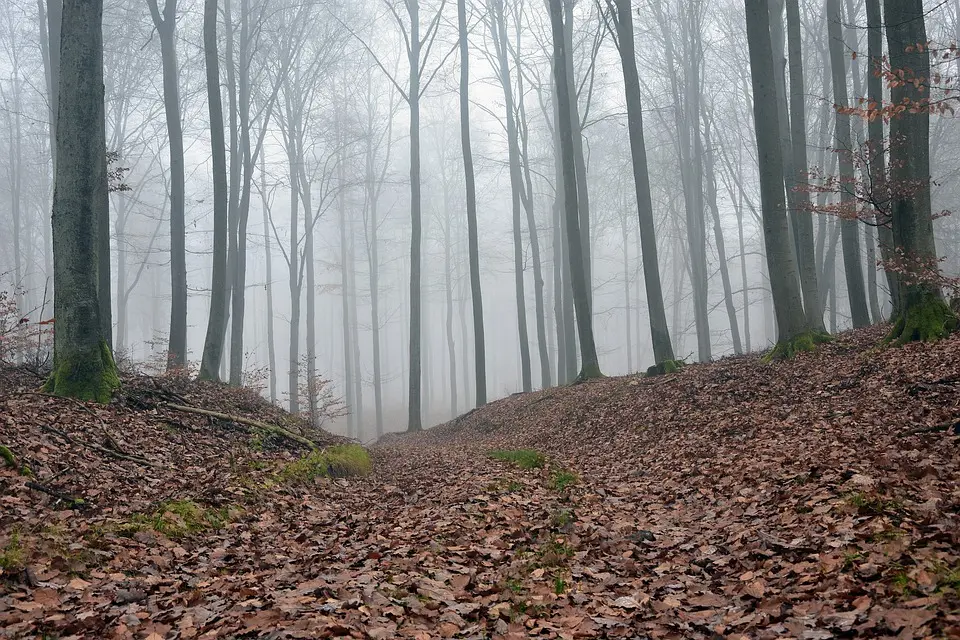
point(179, 519)
point(523, 458)
point(340, 461)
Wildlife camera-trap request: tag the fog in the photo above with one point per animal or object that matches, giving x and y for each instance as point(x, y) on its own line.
point(316, 101)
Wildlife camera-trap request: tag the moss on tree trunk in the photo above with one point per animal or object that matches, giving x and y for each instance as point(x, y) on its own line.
point(664, 368)
point(85, 375)
point(924, 319)
point(788, 349)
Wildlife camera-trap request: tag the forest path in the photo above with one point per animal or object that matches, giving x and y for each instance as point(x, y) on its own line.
point(735, 499)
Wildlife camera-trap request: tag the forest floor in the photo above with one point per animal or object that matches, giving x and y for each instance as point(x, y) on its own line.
point(817, 498)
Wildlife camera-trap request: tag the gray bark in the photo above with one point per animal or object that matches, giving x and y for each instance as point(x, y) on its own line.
point(782, 268)
point(590, 365)
point(479, 356)
point(660, 333)
point(166, 25)
point(849, 231)
point(217, 323)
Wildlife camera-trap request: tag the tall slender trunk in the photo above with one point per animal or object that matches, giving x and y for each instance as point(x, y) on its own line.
point(479, 355)
point(217, 322)
point(781, 266)
point(590, 365)
point(268, 255)
point(498, 32)
point(849, 232)
point(660, 334)
point(878, 169)
point(448, 286)
point(711, 181)
point(166, 26)
point(803, 223)
point(414, 419)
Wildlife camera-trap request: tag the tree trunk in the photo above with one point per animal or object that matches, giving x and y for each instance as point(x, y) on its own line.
point(590, 365)
point(878, 170)
point(83, 364)
point(803, 222)
point(414, 420)
point(166, 26)
point(217, 324)
point(923, 313)
point(498, 33)
point(268, 254)
point(849, 231)
point(448, 286)
point(784, 280)
point(659, 332)
point(479, 355)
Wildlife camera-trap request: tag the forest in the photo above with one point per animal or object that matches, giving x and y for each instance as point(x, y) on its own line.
point(479, 318)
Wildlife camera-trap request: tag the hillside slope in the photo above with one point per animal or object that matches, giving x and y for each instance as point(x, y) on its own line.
point(812, 499)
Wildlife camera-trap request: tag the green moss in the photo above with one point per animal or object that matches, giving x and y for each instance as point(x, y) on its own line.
point(340, 461)
point(560, 479)
point(9, 460)
point(562, 519)
point(523, 458)
point(926, 320)
point(179, 519)
point(665, 368)
point(92, 379)
point(13, 557)
point(789, 349)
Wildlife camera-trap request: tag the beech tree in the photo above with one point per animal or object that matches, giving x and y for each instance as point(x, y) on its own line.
point(922, 314)
point(83, 365)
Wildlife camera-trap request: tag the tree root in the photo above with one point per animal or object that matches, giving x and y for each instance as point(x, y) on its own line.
point(665, 368)
point(263, 426)
point(95, 447)
point(929, 320)
point(788, 349)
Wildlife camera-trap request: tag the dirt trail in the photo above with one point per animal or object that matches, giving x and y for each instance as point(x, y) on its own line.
point(811, 499)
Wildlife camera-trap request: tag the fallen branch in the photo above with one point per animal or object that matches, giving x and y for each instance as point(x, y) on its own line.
point(263, 426)
point(943, 426)
point(98, 448)
point(73, 503)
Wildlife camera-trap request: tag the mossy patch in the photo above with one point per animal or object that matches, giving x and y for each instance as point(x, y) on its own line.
point(88, 377)
point(179, 519)
point(665, 368)
point(927, 320)
point(340, 461)
point(523, 458)
point(9, 460)
point(789, 349)
point(13, 557)
point(561, 479)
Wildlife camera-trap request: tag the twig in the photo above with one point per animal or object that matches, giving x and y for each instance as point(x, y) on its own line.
point(55, 397)
point(74, 503)
point(98, 448)
point(943, 426)
point(247, 421)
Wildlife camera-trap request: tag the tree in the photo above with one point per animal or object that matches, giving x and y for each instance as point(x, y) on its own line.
point(480, 361)
point(803, 222)
point(83, 363)
point(784, 279)
point(621, 17)
point(849, 233)
point(217, 324)
point(877, 162)
point(166, 25)
point(590, 364)
point(923, 313)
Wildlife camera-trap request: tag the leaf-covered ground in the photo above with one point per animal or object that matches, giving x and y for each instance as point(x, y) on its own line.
point(810, 499)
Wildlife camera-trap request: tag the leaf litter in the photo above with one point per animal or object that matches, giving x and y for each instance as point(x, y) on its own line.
point(816, 498)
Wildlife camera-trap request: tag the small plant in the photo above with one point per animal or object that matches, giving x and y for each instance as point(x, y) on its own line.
point(875, 505)
point(562, 519)
point(850, 559)
point(515, 586)
point(179, 519)
point(887, 535)
point(554, 553)
point(559, 585)
point(523, 458)
point(340, 461)
point(12, 558)
point(560, 479)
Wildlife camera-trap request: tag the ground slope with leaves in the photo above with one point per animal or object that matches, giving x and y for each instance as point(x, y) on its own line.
point(810, 499)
